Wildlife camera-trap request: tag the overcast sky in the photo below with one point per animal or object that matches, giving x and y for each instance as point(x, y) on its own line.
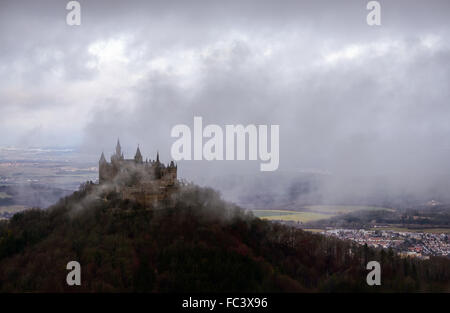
point(350, 99)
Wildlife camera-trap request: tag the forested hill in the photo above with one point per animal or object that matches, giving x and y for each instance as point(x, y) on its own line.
point(200, 244)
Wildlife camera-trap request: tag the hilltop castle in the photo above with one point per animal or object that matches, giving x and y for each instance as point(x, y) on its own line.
point(146, 182)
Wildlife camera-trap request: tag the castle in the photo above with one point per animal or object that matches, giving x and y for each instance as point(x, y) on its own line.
point(146, 182)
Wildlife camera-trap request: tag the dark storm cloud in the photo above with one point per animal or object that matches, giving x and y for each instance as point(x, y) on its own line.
point(369, 105)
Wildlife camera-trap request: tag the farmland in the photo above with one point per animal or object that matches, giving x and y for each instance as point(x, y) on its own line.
point(312, 213)
point(343, 209)
point(292, 216)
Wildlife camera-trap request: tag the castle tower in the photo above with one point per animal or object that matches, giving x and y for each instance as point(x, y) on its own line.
point(102, 159)
point(118, 148)
point(119, 154)
point(102, 168)
point(138, 157)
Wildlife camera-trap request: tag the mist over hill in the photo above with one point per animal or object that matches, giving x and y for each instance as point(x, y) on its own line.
point(202, 243)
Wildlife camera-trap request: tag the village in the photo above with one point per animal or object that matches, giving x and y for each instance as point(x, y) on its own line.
point(406, 244)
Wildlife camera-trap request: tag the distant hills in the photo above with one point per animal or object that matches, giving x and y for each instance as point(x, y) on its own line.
point(201, 244)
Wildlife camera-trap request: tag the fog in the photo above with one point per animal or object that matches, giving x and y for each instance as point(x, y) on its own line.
point(363, 111)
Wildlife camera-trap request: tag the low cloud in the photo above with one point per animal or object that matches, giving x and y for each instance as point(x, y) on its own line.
point(366, 105)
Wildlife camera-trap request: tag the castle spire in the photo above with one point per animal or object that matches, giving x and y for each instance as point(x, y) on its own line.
point(138, 156)
point(118, 148)
point(157, 156)
point(102, 158)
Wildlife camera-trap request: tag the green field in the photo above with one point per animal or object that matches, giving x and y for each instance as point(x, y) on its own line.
point(342, 209)
point(293, 216)
point(313, 212)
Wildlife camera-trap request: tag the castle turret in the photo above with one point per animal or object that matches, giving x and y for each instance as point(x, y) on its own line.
point(119, 155)
point(138, 157)
point(102, 168)
point(102, 159)
point(118, 148)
